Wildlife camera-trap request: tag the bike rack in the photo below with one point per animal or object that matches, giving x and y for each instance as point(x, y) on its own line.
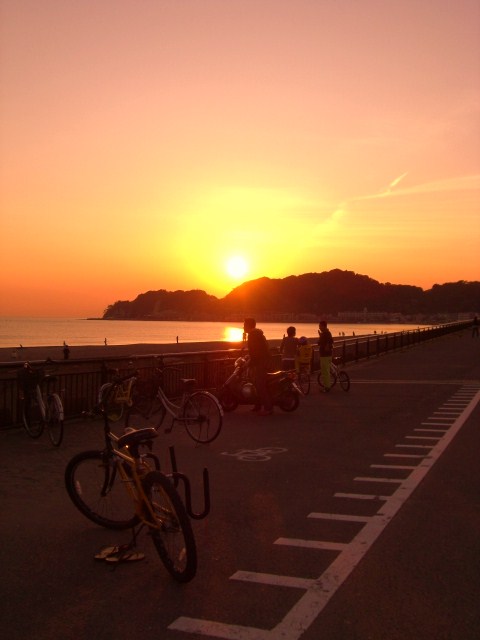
point(177, 476)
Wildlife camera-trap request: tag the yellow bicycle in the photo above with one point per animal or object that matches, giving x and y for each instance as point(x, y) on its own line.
point(122, 487)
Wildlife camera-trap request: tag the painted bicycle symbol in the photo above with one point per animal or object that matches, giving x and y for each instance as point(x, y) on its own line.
point(255, 455)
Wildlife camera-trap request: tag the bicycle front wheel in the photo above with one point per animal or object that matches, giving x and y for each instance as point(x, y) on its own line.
point(172, 532)
point(95, 487)
point(32, 417)
point(202, 415)
point(145, 412)
point(108, 398)
point(344, 380)
point(54, 421)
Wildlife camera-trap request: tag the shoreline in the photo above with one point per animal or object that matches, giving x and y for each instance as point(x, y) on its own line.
point(24, 354)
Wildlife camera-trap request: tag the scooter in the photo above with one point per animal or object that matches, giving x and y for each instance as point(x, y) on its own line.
point(239, 389)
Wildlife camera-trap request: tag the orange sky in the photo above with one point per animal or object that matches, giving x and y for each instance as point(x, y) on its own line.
point(146, 142)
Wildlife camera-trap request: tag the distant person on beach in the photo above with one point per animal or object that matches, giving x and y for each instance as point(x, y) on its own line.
point(105, 342)
point(325, 347)
point(475, 323)
point(288, 349)
point(259, 353)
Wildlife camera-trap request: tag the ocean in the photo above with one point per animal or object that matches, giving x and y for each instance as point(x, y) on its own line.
point(51, 332)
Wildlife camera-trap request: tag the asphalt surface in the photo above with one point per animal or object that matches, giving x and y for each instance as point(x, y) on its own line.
point(396, 456)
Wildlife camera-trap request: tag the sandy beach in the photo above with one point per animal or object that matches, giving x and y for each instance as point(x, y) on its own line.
point(17, 354)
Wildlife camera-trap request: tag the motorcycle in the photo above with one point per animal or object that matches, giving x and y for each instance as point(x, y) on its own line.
point(239, 389)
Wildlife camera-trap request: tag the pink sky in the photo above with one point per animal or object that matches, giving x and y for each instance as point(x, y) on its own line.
point(145, 143)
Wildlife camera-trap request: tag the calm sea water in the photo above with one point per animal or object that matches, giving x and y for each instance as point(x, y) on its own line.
point(50, 332)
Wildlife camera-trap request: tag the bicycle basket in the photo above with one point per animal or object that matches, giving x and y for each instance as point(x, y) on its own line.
point(29, 378)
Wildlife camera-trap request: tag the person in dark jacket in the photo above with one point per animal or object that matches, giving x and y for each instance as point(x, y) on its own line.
point(325, 348)
point(259, 353)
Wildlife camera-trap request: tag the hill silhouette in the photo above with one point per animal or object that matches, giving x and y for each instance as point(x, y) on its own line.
point(333, 293)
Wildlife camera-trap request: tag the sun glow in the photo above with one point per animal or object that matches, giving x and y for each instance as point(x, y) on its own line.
point(233, 334)
point(237, 267)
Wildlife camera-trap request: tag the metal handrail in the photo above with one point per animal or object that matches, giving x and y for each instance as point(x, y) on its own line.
point(80, 379)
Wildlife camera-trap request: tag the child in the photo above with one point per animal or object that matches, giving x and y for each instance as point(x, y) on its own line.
point(288, 349)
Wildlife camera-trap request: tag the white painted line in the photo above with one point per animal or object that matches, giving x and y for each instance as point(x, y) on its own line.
point(274, 580)
point(403, 455)
point(391, 466)
point(313, 601)
point(436, 424)
point(359, 496)
point(221, 629)
point(422, 438)
point(432, 430)
point(414, 446)
point(391, 480)
point(311, 544)
point(339, 516)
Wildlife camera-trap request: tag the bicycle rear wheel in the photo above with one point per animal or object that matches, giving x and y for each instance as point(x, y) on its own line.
point(32, 416)
point(344, 380)
point(303, 381)
point(95, 487)
point(172, 534)
point(202, 416)
point(333, 380)
point(54, 421)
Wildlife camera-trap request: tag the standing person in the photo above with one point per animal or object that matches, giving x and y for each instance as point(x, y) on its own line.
point(288, 349)
point(475, 327)
point(260, 360)
point(325, 347)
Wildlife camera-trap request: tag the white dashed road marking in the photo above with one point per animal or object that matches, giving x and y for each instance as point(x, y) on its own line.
point(318, 592)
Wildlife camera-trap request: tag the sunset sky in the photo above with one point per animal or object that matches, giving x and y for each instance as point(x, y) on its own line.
point(145, 143)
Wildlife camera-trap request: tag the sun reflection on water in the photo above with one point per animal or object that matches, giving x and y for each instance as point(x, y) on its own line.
point(233, 334)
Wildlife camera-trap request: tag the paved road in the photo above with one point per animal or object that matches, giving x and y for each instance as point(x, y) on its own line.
point(356, 517)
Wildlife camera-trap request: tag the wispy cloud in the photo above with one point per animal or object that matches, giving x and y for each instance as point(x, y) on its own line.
point(397, 180)
point(461, 183)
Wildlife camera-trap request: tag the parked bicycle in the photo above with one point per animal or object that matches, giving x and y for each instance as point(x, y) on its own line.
point(337, 373)
point(198, 410)
point(122, 487)
point(304, 365)
point(116, 395)
point(303, 378)
point(40, 410)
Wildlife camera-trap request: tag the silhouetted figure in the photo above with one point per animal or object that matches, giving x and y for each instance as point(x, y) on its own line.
point(288, 349)
point(259, 353)
point(66, 351)
point(325, 348)
point(475, 327)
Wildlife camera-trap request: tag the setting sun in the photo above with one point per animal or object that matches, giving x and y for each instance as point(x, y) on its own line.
point(237, 267)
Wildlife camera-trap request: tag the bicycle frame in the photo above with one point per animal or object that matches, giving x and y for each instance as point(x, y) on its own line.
point(133, 484)
point(139, 468)
point(173, 409)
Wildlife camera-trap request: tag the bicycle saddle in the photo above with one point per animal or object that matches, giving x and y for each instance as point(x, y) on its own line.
point(136, 437)
point(188, 383)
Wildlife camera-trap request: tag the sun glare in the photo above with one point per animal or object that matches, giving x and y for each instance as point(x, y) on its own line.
point(237, 267)
point(233, 334)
